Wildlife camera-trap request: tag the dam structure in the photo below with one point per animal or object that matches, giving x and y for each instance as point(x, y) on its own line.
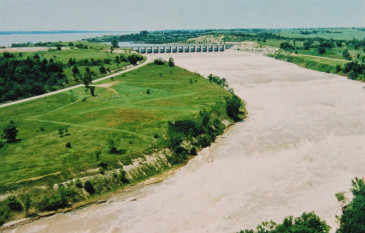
point(178, 48)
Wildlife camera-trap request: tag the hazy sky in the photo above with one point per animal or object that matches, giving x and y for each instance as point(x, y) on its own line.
point(177, 14)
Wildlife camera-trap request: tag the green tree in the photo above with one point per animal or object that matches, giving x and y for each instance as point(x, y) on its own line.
point(75, 70)
point(171, 62)
point(97, 154)
point(87, 80)
point(13, 203)
point(307, 223)
point(353, 217)
point(27, 202)
point(92, 91)
point(114, 43)
point(89, 187)
point(102, 70)
point(346, 54)
point(233, 105)
point(10, 132)
point(321, 50)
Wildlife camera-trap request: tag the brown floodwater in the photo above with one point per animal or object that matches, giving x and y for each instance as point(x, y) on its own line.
point(303, 141)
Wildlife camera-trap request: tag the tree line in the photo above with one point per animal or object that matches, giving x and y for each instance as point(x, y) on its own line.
point(21, 78)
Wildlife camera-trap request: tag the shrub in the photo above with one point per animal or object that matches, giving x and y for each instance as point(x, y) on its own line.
point(4, 215)
point(171, 62)
point(10, 132)
point(101, 170)
point(123, 176)
point(102, 70)
point(78, 183)
point(193, 151)
point(2, 144)
point(353, 217)
point(53, 202)
point(159, 61)
point(134, 58)
point(13, 203)
point(27, 202)
point(89, 187)
point(233, 105)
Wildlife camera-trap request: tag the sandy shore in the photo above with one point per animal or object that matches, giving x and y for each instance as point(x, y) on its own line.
point(301, 144)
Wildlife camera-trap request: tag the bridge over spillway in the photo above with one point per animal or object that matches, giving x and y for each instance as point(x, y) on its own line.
point(178, 48)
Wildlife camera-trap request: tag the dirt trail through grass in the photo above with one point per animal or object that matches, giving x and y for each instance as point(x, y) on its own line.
point(143, 137)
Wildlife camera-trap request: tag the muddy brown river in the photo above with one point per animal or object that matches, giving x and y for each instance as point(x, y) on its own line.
point(303, 141)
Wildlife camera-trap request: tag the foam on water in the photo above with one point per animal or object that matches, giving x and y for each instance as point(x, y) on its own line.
point(302, 142)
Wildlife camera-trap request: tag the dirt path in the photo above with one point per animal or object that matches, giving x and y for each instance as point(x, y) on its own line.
point(77, 86)
point(108, 87)
point(143, 137)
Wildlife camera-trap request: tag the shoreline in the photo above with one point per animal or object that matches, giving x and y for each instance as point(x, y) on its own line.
point(104, 198)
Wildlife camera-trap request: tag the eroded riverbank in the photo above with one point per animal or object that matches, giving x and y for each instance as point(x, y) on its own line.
point(301, 144)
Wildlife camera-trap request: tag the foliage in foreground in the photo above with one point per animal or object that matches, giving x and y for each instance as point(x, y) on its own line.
point(353, 217)
point(351, 221)
point(307, 223)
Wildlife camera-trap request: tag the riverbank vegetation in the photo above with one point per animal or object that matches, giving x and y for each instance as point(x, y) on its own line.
point(74, 146)
point(26, 74)
point(352, 218)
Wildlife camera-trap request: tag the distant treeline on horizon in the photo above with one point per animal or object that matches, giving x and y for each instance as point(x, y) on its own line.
point(56, 32)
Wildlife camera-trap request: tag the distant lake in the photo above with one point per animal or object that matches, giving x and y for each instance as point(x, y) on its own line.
point(8, 39)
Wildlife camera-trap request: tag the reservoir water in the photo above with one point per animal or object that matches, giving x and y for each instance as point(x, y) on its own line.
point(8, 39)
point(303, 141)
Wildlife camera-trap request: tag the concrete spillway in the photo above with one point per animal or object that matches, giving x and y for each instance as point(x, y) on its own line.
point(178, 48)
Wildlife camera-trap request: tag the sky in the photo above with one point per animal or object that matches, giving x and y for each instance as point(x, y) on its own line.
point(135, 15)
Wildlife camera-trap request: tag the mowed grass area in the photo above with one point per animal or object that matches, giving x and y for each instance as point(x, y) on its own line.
point(121, 111)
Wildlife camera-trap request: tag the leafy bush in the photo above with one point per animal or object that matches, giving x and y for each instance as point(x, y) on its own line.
point(233, 105)
point(193, 151)
point(353, 217)
point(171, 62)
point(123, 176)
point(134, 58)
point(217, 80)
point(158, 61)
point(78, 183)
point(53, 202)
point(89, 187)
point(307, 223)
point(13, 203)
point(10, 132)
point(4, 215)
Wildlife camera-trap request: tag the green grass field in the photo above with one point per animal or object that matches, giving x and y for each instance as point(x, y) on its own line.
point(326, 33)
point(121, 111)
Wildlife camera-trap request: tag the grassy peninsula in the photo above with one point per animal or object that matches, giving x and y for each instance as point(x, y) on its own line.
point(73, 146)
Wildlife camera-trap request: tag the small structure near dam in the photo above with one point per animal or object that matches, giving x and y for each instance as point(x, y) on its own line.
point(178, 48)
